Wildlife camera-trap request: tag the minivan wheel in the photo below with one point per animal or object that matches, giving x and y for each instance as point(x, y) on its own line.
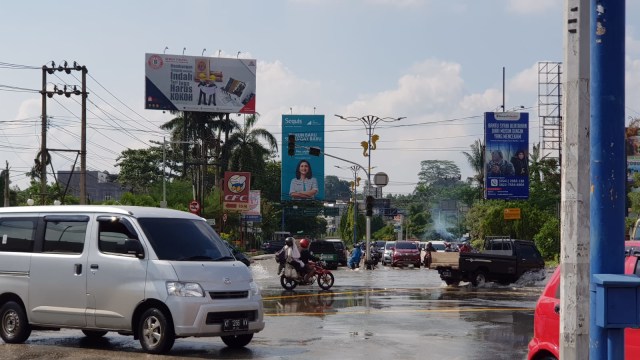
point(155, 332)
point(14, 326)
point(237, 341)
point(94, 334)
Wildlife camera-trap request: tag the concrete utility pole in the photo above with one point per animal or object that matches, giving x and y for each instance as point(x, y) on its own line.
point(6, 186)
point(43, 139)
point(574, 251)
point(83, 141)
point(608, 175)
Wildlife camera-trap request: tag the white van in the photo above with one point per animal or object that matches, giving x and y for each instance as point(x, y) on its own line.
point(157, 274)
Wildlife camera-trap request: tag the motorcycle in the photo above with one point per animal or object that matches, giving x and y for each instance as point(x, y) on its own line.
point(290, 277)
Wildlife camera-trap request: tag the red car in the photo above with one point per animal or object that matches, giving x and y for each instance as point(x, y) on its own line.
point(545, 344)
point(405, 253)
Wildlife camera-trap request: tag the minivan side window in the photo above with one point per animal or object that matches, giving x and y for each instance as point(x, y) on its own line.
point(17, 234)
point(112, 236)
point(65, 236)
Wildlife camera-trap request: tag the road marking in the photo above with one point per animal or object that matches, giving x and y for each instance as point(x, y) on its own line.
point(369, 312)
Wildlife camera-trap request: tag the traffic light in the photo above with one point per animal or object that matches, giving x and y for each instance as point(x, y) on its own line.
point(292, 145)
point(369, 205)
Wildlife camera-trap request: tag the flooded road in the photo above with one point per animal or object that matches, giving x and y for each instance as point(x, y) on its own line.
point(386, 313)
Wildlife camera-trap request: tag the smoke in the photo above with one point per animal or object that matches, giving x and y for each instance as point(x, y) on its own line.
point(442, 222)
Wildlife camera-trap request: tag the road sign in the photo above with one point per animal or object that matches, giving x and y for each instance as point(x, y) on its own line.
point(381, 179)
point(194, 207)
point(512, 214)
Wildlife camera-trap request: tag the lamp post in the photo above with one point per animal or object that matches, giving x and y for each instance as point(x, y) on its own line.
point(370, 122)
point(355, 169)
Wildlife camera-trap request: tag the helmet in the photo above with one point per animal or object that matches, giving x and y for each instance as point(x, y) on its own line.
point(304, 243)
point(289, 241)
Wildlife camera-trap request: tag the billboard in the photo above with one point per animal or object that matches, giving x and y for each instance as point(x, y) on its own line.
point(253, 213)
point(506, 172)
point(632, 150)
point(302, 174)
point(197, 83)
point(236, 190)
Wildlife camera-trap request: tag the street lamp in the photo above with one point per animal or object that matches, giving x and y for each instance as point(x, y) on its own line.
point(370, 122)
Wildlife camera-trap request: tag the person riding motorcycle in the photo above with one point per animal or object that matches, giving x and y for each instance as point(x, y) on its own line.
point(293, 254)
point(305, 256)
point(354, 260)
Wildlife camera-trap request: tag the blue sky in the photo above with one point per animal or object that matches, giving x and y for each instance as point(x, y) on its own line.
point(429, 61)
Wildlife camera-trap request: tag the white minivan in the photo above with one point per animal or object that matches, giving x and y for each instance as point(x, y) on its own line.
point(157, 274)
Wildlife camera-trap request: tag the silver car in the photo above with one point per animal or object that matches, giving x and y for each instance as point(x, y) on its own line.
point(386, 255)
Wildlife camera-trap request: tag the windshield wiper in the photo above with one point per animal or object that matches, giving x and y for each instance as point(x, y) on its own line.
point(196, 257)
point(226, 257)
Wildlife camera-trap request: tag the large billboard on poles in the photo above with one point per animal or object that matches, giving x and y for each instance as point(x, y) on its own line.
point(198, 83)
point(302, 174)
point(506, 171)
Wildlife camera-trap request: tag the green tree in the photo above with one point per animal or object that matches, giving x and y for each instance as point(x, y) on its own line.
point(247, 149)
point(438, 171)
point(140, 168)
point(336, 189)
point(475, 158)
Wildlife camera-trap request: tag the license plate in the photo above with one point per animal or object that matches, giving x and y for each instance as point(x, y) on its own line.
point(446, 273)
point(235, 324)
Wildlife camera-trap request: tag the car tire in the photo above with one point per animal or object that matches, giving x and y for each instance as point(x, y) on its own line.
point(237, 341)
point(155, 332)
point(94, 334)
point(479, 278)
point(14, 325)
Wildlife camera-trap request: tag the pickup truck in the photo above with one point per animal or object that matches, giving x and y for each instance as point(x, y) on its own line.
point(501, 260)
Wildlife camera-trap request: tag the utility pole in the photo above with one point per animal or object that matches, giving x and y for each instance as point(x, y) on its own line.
point(574, 251)
point(83, 140)
point(6, 186)
point(43, 138)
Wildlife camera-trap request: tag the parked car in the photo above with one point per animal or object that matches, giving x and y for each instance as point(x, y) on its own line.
point(325, 251)
point(438, 245)
point(341, 249)
point(405, 253)
point(546, 321)
point(631, 247)
point(386, 255)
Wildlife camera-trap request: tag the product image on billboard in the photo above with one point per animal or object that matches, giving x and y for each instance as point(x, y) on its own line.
point(506, 155)
point(198, 83)
point(302, 174)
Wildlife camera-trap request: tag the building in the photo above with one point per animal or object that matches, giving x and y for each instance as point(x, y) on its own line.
point(101, 186)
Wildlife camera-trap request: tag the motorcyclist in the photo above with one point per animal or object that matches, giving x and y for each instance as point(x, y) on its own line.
point(305, 256)
point(354, 260)
point(293, 254)
point(465, 247)
point(427, 256)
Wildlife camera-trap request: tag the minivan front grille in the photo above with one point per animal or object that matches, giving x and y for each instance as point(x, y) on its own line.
point(219, 317)
point(221, 295)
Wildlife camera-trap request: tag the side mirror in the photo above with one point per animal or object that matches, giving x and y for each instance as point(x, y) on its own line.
point(134, 247)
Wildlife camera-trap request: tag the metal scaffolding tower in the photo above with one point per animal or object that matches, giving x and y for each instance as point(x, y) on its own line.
point(550, 107)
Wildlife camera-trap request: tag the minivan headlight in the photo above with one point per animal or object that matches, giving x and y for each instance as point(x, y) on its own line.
point(255, 289)
point(177, 288)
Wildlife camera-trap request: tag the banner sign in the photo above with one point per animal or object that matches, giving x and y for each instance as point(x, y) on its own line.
point(302, 174)
point(236, 190)
point(200, 84)
point(506, 172)
point(253, 213)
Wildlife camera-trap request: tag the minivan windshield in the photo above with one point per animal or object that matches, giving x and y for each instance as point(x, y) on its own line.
point(184, 240)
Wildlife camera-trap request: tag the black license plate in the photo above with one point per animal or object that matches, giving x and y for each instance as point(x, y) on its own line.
point(446, 273)
point(235, 324)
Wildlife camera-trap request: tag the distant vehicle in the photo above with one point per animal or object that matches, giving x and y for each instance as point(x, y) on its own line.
point(405, 253)
point(501, 260)
point(386, 255)
point(276, 243)
point(438, 245)
point(545, 343)
point(632, 247)
point(325, 251)
point(341, 249)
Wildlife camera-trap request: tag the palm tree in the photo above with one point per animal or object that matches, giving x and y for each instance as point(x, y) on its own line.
point(245, 149)
point(476, 160)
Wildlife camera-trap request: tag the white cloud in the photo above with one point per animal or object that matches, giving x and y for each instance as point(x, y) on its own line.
point(531, 6)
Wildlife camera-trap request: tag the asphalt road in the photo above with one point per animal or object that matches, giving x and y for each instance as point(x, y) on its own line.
point(386, 313)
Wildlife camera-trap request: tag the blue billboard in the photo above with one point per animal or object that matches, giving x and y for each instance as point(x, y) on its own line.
point(506, 138)
point(302, 174)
